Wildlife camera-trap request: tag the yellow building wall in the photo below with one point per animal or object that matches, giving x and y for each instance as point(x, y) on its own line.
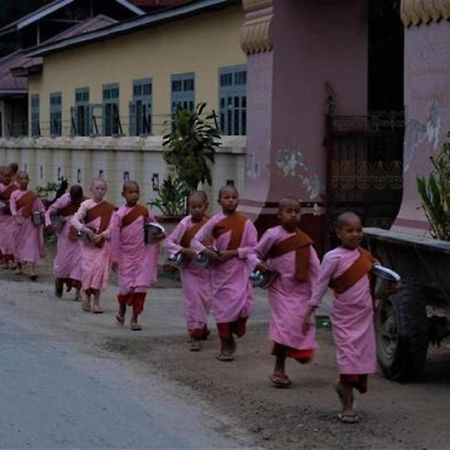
point(200, 44)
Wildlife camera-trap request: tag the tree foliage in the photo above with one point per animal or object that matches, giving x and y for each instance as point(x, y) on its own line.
point(190, 146)
point(434, 191)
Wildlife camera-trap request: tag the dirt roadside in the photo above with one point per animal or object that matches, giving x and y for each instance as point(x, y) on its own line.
point(394, 416)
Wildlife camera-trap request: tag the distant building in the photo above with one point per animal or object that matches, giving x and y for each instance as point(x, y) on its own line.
point(54, 20)
point(132, 76)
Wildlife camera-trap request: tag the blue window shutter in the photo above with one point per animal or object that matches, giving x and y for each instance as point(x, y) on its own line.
point(55, 114)
point(141, 117)
point(233, 100)
point(35, 112)
point(183, 91)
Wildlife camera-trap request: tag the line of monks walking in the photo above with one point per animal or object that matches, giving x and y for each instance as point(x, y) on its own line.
point(94, 237)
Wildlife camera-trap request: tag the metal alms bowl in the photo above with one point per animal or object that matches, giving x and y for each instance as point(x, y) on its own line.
point(203, 260)
point(37, 218)
point(57, 221)
point(383, 277)
point(263, 280)
point(152, 232)
point(177, 259)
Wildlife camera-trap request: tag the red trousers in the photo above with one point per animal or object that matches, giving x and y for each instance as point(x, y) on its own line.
point(238, 327)
point(358, 382)
point(134, 299)
point(302, 356)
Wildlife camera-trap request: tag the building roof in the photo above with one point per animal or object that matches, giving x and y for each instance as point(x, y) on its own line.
point(52, 7)
point(15, 66)
point(151, 5)
point(8, 83)
point(150, 20)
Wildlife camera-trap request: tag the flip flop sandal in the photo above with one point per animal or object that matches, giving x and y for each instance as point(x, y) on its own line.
point(341, 398)
point(97, 310)
point(120, 320)
point(348, 418)
point(85, 306)
point(135, 327)
point(195, 346)
point(33, 277)
point(224, 357)
point(280, 382)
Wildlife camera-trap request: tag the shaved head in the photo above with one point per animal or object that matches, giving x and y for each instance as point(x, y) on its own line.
point(347, 218)
point(228, 188)
point(128, 185)
point(14, 167)
point(288, 201)
point(198, 194)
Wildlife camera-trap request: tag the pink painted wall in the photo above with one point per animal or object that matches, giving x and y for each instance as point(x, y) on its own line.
point(427, 108)
point(314, 42)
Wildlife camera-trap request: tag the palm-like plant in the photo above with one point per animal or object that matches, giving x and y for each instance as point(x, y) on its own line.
point(434, 191)
point(190, 146)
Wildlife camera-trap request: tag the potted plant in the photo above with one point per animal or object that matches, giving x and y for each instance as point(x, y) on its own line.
point(190, 146)
point(434, 191)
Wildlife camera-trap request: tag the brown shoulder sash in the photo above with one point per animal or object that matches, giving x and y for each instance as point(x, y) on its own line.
point(234, 223)
point(6, 193)
point(191, 232)
point(361, 267)
point(300, 242)
point(70, 209)
point(134, 214)
point(104, 210)
point(26, 203)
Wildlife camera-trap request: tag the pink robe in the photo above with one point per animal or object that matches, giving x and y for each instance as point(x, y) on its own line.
point(137, 262)
point(196, 282)
point(351, 314)
point(7, 229)
point(231, 287)
point(28, 240)
point(95, 261)
point(288, 297)
point(67, 263)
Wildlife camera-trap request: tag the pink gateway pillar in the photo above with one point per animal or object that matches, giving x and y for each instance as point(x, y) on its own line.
point(427, 100)
point(295, 48)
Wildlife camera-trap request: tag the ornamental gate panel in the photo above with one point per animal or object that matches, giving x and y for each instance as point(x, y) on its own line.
point(364, 168)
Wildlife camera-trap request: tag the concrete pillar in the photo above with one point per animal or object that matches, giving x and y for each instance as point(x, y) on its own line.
point(295, 49)
point(427, 99)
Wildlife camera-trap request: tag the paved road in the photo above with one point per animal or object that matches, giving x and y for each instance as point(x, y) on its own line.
point(53, 397)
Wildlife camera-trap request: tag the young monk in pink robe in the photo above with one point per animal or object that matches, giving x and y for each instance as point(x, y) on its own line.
point(92, 219)
point(28, 239)
point(234, 236)
point(196, 280)
point(346, 270)
point(136, 261)
point(287, 250)
point(67, 263)
point(7, 187)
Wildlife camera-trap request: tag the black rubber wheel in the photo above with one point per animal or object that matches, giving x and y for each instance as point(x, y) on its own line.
point(402, 333)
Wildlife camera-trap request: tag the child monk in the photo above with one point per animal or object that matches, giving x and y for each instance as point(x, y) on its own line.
point(135, 260)
point(92, 219)
point(28, 239)
point(289, 251)
point(14, 168)
point(7, 187)
point(196, 280)
point(67, 263)
point(234, 236)
point(346, 270)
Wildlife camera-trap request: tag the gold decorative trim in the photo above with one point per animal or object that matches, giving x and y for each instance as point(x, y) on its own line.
point(417, 12)
point(255, 32)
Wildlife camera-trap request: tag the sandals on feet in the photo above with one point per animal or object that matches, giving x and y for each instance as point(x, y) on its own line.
point(225, 357)
point(120, 320)
point(348, 418)
point(97, 309)
point(33, 277)
point(195, 346)
point(280, 381)
point(135, 327)
point(85, 305)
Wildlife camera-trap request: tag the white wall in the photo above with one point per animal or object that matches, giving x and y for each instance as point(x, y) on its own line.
point(80, 159)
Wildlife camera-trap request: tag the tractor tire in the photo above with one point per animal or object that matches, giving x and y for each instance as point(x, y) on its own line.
point(402, 333)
